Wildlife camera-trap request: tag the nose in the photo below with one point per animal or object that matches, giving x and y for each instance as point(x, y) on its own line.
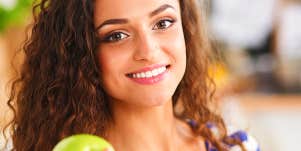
point(147, 47)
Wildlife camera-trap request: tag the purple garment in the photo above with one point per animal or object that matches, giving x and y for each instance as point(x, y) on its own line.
point(249, 142)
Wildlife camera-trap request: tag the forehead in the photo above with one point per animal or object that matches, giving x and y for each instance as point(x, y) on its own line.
point(107, 9)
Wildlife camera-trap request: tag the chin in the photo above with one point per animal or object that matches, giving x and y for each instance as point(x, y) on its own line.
point(154, 101)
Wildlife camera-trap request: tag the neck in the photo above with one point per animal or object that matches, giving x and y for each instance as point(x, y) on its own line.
point(138, 128)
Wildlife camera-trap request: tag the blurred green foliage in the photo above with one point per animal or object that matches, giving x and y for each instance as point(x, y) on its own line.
point(16, 15)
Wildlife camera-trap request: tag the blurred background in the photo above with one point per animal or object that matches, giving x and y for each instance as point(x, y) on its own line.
point(258, 77)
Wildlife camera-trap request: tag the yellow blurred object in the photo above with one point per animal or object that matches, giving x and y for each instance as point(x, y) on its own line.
point(220, 74)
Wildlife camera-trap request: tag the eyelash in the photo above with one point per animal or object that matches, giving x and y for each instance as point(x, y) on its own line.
point(112, 37)
point(171, 21)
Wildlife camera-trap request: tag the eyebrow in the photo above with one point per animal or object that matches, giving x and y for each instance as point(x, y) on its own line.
point(160, 9)
point(124, 21)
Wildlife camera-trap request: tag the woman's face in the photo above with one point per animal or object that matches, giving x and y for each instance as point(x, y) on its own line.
point(142, 54)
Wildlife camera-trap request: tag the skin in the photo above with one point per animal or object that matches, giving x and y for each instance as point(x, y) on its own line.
point(150, 33)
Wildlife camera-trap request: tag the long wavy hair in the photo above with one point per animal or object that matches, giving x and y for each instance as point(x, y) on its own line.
point(59, 92)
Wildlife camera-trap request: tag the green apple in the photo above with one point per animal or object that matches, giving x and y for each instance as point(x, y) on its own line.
point(83, 142)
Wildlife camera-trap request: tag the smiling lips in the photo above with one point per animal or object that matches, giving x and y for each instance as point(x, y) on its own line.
point(150, 75)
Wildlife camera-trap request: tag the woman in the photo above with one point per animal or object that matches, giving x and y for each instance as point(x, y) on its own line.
point(131, 71)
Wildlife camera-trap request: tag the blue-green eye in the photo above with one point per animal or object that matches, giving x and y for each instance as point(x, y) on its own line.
point(116, 36)
point(163, 24)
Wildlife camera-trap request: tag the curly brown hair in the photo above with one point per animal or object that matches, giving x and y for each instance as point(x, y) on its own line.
point(59, 91)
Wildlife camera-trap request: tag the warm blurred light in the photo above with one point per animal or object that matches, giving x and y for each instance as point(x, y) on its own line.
point(8, 4)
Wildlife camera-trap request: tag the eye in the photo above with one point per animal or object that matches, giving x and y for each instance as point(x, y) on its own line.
point(163, 24)
point(116, 36)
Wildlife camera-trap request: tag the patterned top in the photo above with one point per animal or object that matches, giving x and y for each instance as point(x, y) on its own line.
point(247, 140)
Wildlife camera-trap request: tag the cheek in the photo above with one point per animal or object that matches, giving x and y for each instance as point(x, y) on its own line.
point(174, 43)
point(113, 64)
point(177, 50)
point(109, 66)
point(111, 59)
point(105, 62)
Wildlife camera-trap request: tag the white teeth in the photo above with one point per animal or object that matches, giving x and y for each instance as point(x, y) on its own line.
point(155, 72)
point(149, 74)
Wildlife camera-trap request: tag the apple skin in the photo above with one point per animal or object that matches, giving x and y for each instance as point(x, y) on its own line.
point(83, 142)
